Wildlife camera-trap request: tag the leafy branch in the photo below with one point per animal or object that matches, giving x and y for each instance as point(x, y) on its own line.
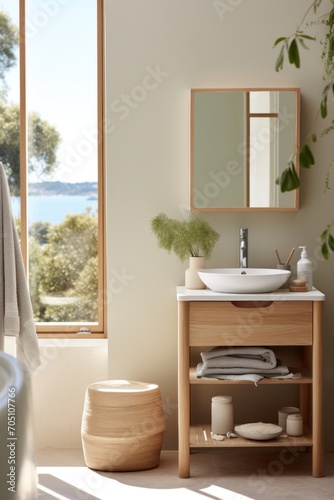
point(290, 47)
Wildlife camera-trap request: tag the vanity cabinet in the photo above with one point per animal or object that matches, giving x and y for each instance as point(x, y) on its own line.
point(282, 319)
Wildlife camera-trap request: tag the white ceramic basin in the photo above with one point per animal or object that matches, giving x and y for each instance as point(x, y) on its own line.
point(247, 280)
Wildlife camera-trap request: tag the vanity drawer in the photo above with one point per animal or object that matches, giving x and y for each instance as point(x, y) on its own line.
point(250, 323)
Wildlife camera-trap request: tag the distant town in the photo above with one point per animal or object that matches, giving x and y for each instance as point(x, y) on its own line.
point(88, 189)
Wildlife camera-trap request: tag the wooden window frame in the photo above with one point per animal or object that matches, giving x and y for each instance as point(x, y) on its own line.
point(68, 330)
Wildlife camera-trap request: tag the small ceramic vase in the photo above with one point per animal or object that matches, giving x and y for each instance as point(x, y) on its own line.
point(192, 279)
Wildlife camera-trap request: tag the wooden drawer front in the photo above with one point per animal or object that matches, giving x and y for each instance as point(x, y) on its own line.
point(250, 323)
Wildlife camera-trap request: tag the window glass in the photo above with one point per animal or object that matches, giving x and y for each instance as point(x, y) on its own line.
point(62, 164)
point(261, 102)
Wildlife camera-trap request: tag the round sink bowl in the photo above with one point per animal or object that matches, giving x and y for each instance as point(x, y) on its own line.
point(243, 280)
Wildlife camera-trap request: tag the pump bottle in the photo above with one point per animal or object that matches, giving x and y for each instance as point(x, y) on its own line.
point(304, 269)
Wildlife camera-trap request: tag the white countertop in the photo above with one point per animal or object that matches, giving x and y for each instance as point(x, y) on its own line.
point(185, 294)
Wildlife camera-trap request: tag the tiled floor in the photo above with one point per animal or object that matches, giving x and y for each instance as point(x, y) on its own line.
point(234, 474)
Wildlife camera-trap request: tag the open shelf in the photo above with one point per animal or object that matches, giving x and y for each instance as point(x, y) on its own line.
point(200, 437)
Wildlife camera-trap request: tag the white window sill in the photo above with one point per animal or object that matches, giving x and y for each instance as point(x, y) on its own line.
point(59, 342)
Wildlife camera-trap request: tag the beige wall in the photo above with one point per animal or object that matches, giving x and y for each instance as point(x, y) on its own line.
point(156, 51)
point(59, 387)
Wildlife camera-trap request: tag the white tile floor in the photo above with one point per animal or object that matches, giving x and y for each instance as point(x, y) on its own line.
point(235, 475)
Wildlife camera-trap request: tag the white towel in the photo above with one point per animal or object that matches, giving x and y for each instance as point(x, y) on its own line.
point(16, 315)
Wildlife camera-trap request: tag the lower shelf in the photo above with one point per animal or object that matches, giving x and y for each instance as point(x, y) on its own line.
point(200, 437)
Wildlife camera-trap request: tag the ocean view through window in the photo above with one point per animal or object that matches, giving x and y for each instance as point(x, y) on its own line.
point(51, 98)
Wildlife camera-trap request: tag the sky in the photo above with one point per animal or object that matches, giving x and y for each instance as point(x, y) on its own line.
point(61, 78)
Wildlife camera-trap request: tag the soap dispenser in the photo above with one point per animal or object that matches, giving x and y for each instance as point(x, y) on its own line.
point(304, 269)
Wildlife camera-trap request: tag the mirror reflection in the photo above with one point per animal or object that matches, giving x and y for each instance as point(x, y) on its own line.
point(241, 141)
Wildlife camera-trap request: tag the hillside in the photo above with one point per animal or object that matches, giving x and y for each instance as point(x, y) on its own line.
point(64, 188)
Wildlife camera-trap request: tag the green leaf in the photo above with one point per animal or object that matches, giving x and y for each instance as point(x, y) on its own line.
point(324, 251)
point(281, 180)
point(323, 107)
point(294, 53)
point(323, 235)
point(314, 137)
point(302, 43)
point(280, 60)
point(306, 157)
point(279, 40)
point(331, 242)
point(289, 179)
point(307, 37)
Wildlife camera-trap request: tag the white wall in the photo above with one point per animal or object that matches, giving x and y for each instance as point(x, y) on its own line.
point(59, 387)
point(156, 51)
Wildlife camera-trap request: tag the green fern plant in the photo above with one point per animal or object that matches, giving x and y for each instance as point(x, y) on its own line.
point(188, 238)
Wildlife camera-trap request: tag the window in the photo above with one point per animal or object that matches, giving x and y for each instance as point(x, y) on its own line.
point(51, 145)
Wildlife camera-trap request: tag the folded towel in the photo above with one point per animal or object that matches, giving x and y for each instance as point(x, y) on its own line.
point(203, 371)
point(260, 358)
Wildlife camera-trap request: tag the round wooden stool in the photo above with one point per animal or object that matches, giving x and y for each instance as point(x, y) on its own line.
point(122, 426)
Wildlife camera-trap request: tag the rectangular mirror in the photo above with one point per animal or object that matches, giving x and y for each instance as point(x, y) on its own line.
point(240, 142)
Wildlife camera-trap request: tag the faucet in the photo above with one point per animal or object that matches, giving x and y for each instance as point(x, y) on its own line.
point(243, 250)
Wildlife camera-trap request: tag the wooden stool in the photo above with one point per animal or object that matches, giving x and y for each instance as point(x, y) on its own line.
point(122, 426)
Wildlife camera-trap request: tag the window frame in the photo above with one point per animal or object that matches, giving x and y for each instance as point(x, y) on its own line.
point(69, 330)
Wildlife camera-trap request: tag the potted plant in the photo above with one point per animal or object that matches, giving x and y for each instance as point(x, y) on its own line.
point(193, 238)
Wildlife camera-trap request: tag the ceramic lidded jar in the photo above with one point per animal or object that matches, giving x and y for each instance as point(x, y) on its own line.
point(222, 415)
point(294, 425)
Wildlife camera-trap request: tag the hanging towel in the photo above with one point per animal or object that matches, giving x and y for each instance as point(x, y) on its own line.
point(16, 315)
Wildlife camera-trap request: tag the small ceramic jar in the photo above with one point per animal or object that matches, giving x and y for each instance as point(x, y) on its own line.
point(283, 414)
point(294, 425)
point(221, 415)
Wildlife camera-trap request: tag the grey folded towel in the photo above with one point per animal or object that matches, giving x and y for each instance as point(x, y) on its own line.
point(239, 357)
point(203, 371)
point(239, 360)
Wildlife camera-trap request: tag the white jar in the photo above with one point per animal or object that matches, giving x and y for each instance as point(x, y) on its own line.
point(294, 425)
point(221, 414)
point(283, 415)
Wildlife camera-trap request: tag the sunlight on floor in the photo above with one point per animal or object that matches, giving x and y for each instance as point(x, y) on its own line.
point(214, 476)
point(63, 483)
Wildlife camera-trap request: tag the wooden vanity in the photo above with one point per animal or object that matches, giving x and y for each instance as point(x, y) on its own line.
point(281, 318)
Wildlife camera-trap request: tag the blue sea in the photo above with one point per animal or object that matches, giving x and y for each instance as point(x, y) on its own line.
point(54, 208)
